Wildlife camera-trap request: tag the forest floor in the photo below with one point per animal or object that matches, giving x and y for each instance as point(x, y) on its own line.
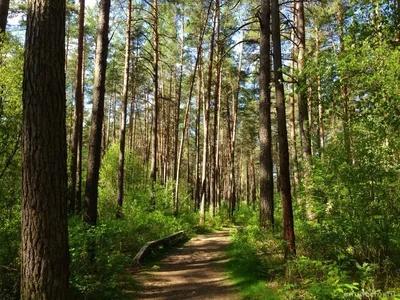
point(194, 271)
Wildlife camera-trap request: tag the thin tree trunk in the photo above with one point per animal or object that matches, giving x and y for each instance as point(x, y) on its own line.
point(319, 99)
point(107, 131)
point(185, 124)
point(343, 87)
point(121, 160)
point(132, 129)
point(217, 150)
point(78, 205)
point(178, 101)
point(44, 254)
point(78, 127)
point(214, 154)
point(266, 164)
point(114, 114)
point(168, 129)
point(310, 103)
point(247, 184)
point(146, 130)
point(92, 179)
point(197, 132)
point(153, 173)
point(188, 180)
point(302, 98)
point(232, 137)
point(287, 209)
point(253, 183)
point(295, 166)
point(161, 131)
point(206, 114)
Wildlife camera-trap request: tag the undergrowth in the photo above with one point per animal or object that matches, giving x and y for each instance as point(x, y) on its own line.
point(118, 240)
point(116, 243)
point(258, 268)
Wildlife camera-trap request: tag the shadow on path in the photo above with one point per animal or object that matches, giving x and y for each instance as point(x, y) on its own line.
point(193, 271)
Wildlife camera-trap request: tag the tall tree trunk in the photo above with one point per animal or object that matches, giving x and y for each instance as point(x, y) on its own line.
point(187, 112)
point(161, 130)
point(214, 154)
point(178, 101)
point(302, 95)
point(78, 205)
point(168, 133)
point(44, 265)
point(253, 183)
point(121, 160)
point(287, 209)
point(132, 128)
point(114, 113)
point(206, 114)
point(93, 170)
point(319, 98)
point(247, 184)
point(178, 161)
point(266, 165)
point(197, 132)
point(295, 166)
point(107, 127)
point(78, 127)
point(153, 172)
point(310, 103)
point(4, 7)
point(343, 87)
point(232, 124)
point(217, 149)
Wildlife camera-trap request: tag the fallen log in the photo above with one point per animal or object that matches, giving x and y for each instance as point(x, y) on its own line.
point(173, 238)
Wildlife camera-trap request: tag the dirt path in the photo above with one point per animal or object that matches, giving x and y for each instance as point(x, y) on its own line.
point(194, 271)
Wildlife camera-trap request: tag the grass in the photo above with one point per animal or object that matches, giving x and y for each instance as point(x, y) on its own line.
point(249, 275)
point(204, 229)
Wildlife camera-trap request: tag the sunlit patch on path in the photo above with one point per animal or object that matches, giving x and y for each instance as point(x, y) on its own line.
point(194, 271)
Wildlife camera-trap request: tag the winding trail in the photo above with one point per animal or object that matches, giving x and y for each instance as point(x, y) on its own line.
point(194, 271)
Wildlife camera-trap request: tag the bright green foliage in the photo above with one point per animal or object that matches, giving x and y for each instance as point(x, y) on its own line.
point(118, 240)
point(11, 55)
point(258, 267)
point(355, 190)
point(255, 257)
point(135, 179)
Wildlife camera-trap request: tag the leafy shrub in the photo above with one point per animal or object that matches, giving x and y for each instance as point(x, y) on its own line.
point(116, 241)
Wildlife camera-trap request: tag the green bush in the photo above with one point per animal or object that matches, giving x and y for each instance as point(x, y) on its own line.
point(116, 241)
point(11, 58)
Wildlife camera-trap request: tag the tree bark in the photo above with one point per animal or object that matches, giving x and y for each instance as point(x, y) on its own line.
point(206, 113)
point(197, 190)
point(92, 179)
point(121, 159)
point(78, 127)
point(44, 260)
point(302, 98)
point(343, 87)
point(287, 209)
point(214, 154)
point(178, 103)
point(4, 7)
point(253, 183)
point(292, 100)
point(266, 165)
point(232, 124)
point(178, 161)
point(153, 172)
point(321, 134)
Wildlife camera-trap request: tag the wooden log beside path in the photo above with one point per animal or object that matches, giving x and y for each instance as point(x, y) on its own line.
point(168, 240)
